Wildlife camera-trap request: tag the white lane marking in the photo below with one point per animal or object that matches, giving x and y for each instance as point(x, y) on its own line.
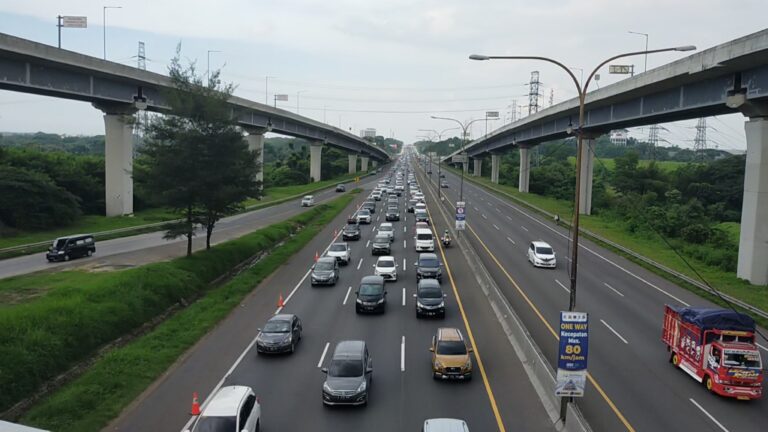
point(476, 209)
point(402, 354)
point(405, 219)
point(403, 296)
point(322, 356)
point(568, 290)
point(614, 289)
point(508, 217)
point(526, 229)
point(349, 290)
point(405, 229)
point(762, 347)
point(368, 243)
point(714, 420)
point(359, 263)
point(614, 332)
point(404, 244)
point(484, 216)
point(497, 228)
point(404, 264)
point(512, 241)
point(498, 209)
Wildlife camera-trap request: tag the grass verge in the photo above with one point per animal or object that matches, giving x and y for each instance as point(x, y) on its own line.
point(42, 338)
point(651, 247)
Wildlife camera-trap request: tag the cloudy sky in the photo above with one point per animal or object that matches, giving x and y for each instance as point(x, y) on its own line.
point(385, 64)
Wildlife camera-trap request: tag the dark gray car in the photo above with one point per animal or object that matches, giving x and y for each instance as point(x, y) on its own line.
point(280, 334)
point(325, 271)
point(371, 296)
point(350, 374)
point(381, 245)
point(430, 299)
point(428, 267)
point(393, 213)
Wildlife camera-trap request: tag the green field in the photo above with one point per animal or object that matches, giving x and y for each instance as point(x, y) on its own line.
point(610, 164)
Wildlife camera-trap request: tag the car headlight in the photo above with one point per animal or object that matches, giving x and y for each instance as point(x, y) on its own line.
point(442, 304)
point(380, 301)
point(362, 386)
point(327, 388)
point(419, 304)
point(438, 365)
point(359, 301)
point(468, 364)
point(60, 252)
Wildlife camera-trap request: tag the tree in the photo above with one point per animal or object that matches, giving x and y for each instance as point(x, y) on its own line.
point(31, 200)
point(195, 160)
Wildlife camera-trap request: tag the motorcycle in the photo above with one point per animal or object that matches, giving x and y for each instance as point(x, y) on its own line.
point(446, 241)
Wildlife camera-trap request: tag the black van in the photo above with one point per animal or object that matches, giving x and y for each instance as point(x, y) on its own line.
point(371, 296)
point(65, 248)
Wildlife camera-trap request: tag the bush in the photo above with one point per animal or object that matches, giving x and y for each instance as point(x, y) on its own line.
point(696, 233)
point(32, 201)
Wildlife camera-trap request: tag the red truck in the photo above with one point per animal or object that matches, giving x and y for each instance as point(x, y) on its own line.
point(717, 348)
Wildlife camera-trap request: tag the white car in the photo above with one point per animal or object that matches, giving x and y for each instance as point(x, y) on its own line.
point(386, 267)
point(364, 216)
point(445, 425)
point(420, 206)
point(341, 252)
point(386, 228)
point(308, 201)
point(376, 196)
point(541, 254)
point(232, 409)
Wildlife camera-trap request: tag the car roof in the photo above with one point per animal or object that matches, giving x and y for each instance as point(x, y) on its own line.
point(445, 425)
point(327, 258)
point(372, 279)
point(449, 333)
point(308, 196)
point(383, 224)
point(429, 283)
point(427, 255)
point(423, 231)
point(282, 317)
point(349, 349)
point(226, 402)
point(539, 243)
point(386, 258)
point(339, 243)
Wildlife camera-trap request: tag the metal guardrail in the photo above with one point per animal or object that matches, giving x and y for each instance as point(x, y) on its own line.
point(685, 278)
point(257, 206)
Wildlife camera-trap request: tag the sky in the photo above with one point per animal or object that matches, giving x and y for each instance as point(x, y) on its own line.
point(387, 64)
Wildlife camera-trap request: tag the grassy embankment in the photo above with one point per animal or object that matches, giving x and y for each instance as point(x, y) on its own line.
point(650, 246)
point(79, 313)
point(93, 223)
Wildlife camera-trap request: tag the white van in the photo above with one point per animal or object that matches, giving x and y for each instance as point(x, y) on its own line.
point(425, 241)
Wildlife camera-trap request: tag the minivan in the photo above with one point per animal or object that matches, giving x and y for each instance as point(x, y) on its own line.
point(349, 375)
point(425, 241)
point(371, 295)
point(64, 248)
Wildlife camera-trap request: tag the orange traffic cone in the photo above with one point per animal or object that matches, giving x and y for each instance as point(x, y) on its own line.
point(280, 301)
point(195, 405)
point(317, 256)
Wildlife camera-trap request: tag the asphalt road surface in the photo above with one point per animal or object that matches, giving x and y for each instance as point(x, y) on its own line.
point(151, 247)
point(639, 389)
point(403, 393)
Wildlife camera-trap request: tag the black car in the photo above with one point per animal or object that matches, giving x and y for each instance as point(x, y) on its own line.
point(369, 205)
point(428, 266)
point(421, 216)
point(381, 245)
point(341, 188)
point(350, 375)
point(371, 295)
point(280, 334)
point(411, 206)
point(351, 231)
point(74, 246)
point(325, 271)
point(430, 299)
point(393, 214)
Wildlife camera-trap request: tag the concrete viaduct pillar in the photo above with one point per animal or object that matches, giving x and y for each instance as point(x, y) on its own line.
point(465, 166)
point(753, 240)
point(315, 161)
point(525, 169)
point(363, 163)
point(495, 162)
point(118, 158)
point(374, 163)
point(477, 169)
point(255, 140)
point(352, 163)
point(587, 175)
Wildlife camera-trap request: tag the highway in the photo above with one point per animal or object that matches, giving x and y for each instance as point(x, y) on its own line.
point(638, 388)
point(403, 393)
point(151, 247)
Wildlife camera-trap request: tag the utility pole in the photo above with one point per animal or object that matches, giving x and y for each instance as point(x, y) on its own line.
point(551, 97)
point(533, 105)
point(700, 142)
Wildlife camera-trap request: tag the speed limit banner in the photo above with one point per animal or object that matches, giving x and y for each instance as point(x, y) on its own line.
point(572, 355)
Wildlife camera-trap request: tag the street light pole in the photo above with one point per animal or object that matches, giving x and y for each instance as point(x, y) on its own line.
point(104, 25)
point(464, 128)
point(266, 89)
point(439, 173)
point(208, 69)
point(582, 92)
point(645, 68)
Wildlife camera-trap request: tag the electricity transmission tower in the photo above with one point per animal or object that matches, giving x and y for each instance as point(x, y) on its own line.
point(533, 106)
point(700, 142)
point(141, 118)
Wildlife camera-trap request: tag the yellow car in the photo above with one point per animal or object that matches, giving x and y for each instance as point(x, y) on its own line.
point(450, 355)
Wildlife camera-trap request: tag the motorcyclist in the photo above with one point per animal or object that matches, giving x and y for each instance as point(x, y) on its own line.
point(446, 237)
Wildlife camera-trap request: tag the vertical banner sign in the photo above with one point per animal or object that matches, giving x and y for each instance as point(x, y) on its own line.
point(572, 355)
point(461, 215)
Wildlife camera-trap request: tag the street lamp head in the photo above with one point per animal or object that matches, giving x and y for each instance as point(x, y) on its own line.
point(685, 48)
point(479, 57)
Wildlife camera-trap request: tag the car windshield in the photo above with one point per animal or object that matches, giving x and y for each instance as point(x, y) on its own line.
point(381, 239)
point(216, 424)
point(430, 292)
point(277, 327)
point(370, 289)
point(324, 266)
point(451, 348)
point(307, 197)
point(346, 368)
point(428, 262)
point(385, 263)
point(742, 359)
point(392, 209)
point(350, 227)
point(364, 213)
point(423, 236)
point(421, 214)
point(338, 248)
point(544, 251)
point(59, 243)
point(385, 228)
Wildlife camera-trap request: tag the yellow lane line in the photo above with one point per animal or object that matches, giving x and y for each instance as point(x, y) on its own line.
point(591, 379)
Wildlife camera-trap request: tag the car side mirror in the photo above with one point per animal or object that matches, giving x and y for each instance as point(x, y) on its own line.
point(258, 329)
point(445, 295)
point(416, 264)
point(357, 292)
point(369, 370)
point(431, 349)
point(470, 349)
point(415, 295)
point(324, 370)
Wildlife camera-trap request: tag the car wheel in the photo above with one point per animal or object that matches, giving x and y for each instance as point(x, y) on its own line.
point(89, 253)
point(66, 257)
point(293, 347)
